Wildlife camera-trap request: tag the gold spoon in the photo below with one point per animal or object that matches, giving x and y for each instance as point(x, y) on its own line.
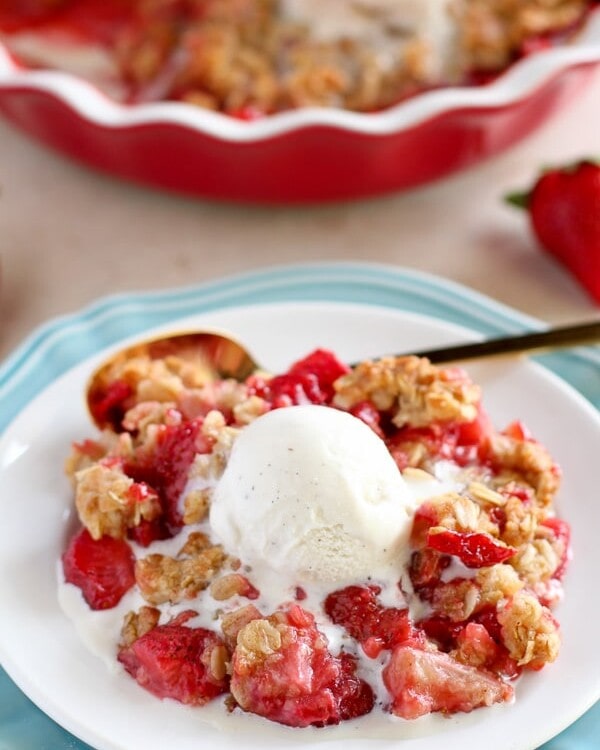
point(224, 357)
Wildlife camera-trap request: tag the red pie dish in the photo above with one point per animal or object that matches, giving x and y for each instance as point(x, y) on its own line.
point(273, 139)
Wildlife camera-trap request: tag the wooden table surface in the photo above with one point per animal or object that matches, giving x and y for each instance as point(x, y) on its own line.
point(69, 235)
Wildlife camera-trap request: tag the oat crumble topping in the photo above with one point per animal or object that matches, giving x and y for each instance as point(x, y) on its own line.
point(254, 57)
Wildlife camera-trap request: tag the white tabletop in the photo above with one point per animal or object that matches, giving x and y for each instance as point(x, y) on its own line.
point(69, 235)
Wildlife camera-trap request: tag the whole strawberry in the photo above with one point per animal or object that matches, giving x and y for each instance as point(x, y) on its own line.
point(564, 208)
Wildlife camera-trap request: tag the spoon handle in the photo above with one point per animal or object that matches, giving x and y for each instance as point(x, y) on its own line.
point(553, 338)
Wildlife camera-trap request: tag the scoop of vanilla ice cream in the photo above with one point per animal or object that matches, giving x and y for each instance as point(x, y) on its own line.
point(312, 491)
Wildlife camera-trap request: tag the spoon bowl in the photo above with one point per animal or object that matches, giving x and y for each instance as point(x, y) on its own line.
point(217, 355)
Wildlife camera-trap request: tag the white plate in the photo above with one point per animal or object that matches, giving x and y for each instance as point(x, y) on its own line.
point(39, 647)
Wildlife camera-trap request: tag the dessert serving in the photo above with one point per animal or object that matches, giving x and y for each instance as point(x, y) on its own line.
point(315, 546)
point(250, 58)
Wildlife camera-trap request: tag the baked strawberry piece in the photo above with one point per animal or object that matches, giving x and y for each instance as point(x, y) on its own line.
point(108, 406)
point(179, 662)
point(308, 381)
point(421, 682)
point(461, 442)
point(102, 568)
point(282, 670)
point(476, 647)
point(357, 609)
point(475, 550)
point(165, 468)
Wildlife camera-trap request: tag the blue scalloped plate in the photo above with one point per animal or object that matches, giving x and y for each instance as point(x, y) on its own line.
point(65, 342)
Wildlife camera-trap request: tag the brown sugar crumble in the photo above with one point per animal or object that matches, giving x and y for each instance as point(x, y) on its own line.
point(250, 58)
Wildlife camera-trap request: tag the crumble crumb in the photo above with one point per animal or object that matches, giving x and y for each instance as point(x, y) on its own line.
point(107, 503)
point(529, 631)
point(416, 392)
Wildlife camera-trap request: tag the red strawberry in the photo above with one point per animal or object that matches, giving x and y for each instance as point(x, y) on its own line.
point(441, 629)
point(308, 381)
point(298, 682)
point(357, 609)
point(420, 682)
point(475, 550)
point(165, 468)
point(324, 365)
point(102, 568)
point(477, 648)
point(564, 208)
point(367, 412)
point(108, 404)
point(175, 661)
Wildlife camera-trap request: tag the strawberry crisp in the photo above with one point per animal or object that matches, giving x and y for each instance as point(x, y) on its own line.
point(250, 58)
point(452, 616)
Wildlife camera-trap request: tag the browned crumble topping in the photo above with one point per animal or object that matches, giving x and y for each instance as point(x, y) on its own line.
point(232, 584)
point(161, 379)
point(242, 55)
point(459, 513)
point(233, 622)
point(196, 543)
point(456, 600)
point(527, 463)
point(162, 390)
point(521, 522)
point(106, 504)
point(249, 58)
point(416, 392)
point(218, 662)
point(142, 417)
point(468, 653)
point(529, 631)
point(196, 505)
point(137, 624)
point(259, 639)
point(536, 561)
point(167, 579)
point(491, 30)
point(496, 584)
